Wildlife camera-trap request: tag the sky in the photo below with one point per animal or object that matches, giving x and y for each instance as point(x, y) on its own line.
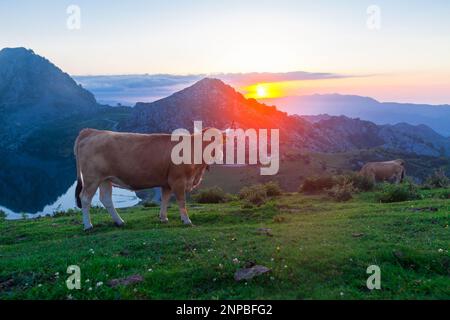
point(390, 50)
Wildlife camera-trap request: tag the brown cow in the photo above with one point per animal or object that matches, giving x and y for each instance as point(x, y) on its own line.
point(392, 171)
point(131, 161)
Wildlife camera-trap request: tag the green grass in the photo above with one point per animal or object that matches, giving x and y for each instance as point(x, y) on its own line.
point(313, 252)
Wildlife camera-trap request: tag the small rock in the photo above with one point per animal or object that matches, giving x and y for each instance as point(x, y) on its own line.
point(357, 235)
point(250, 273)
point(136, 278)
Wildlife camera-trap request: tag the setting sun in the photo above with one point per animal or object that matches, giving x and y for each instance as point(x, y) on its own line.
point(269, 90)
point(261, 91)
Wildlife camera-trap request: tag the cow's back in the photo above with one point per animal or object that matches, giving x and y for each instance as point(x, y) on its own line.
point(130, 160)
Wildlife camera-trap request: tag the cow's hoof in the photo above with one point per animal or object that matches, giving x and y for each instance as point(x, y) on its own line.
point(87, 229)
point(119, 224)
point(164, 220)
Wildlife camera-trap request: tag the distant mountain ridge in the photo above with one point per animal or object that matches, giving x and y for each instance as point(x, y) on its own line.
point(436, 117)
point(212, 101)
point(34, 92)
point(345, 134)
point(218, 104)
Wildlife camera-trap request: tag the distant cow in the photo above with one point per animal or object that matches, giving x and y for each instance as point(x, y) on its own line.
point(392, 171)
point(130, 161)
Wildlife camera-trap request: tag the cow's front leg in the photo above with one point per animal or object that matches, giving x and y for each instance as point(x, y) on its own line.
point(180, 194)
point(165, 197)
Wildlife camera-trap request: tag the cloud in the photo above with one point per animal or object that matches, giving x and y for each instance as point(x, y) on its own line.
point(129, 89)
point(245, 79)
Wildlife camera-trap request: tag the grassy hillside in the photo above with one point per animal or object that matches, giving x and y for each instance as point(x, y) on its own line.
point(296, 167)
point(316, 248)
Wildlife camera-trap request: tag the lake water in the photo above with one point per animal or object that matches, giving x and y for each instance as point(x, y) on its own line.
point(122, 199)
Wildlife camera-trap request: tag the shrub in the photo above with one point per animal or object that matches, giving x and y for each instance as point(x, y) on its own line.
point(247, 205)
point(317, 184)
point(257, 198)
point(273, 189)
point(211, 195)
point(64, 213)
point(437, 180)
point(398, 192)
point(2, 215)
point(256, 194)
point(362, 183)
point(342, 192)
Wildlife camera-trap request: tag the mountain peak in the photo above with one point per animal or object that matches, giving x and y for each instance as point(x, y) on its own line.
point(29, 79)
point(211, 100)
point(16, 51)
point(20, 55)
point(210, 84)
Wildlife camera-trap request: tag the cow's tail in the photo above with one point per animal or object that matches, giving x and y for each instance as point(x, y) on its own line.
point(79, 176)
point(402, 177)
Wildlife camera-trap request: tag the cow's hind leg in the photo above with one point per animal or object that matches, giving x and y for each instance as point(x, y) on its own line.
point(106, 200)
point(87, 193)
point(165, 197)
point(180, 194)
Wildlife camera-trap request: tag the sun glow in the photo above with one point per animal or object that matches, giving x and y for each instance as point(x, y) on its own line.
point(261, 91)
point(267, 90)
